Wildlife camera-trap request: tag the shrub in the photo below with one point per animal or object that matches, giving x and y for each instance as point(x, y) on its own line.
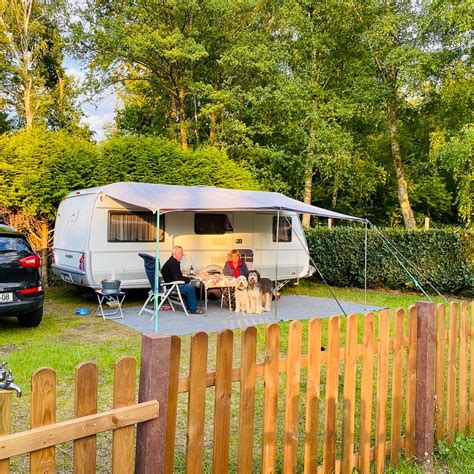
point(151, 159)
point(40, 167)
point(444, 257)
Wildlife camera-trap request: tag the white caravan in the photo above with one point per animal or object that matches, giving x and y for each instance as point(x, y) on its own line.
point(98, 237)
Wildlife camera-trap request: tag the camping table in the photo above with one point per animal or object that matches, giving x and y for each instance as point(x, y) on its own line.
point(209, 283)
point(115, 298)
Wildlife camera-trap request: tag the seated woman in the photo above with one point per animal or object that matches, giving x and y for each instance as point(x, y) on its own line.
point(234, 267)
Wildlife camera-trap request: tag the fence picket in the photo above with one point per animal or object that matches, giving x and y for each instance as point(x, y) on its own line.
point(43, 412)
point(85, 403)
point(463, 388)
point(452, 341)
point(196, 402)
point(366, 393)
point(270, 401)
point(5, 424)
point(397, 381)
point(172, 403)
point(350, 366)
point(292, 395)
point(247, 399)
point(123, 439)
point(382, 386)
point(440, 368)
point(410, 384)
point(332, 382)
point(471, 377)
point(312, 396)
point(222, 404)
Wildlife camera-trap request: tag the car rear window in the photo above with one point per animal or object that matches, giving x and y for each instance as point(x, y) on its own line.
point(13, 244)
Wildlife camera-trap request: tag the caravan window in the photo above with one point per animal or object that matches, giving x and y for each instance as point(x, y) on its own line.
point(284, 229)
point(212, 224)
point(134, 227)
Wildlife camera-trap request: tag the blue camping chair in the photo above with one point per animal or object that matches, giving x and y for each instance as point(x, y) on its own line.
point(166, 291)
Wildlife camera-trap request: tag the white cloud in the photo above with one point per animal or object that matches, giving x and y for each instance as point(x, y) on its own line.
point(78, 74)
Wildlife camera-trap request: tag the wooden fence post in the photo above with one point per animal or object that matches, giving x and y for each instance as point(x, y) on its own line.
point(5, 424)
point(154, 385)
point(425, 382)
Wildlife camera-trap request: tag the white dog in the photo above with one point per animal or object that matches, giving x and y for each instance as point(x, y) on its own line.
point(241, 295)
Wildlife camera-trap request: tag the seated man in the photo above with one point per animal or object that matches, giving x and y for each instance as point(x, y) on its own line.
point(171, 271)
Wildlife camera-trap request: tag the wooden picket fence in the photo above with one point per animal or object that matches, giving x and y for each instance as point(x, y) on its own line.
point(358, 398)
point(46, 433)
point(454, 389)
point(383, 388)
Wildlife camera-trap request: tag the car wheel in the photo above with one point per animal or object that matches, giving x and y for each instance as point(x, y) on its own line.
point(31, 320)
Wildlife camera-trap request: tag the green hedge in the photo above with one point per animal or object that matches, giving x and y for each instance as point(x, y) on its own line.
point(444, 257)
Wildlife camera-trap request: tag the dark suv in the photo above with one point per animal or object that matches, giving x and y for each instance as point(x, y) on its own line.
point(21, 289)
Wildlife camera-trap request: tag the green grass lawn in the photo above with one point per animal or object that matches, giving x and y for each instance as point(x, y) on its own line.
point(63, 340)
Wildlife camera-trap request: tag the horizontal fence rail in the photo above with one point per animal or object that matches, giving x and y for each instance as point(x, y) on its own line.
point(76, 429)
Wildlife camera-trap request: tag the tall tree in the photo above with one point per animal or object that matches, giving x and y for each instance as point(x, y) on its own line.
point(148, 41)
point(33, 84)
point(174, 59)
point(398, 56)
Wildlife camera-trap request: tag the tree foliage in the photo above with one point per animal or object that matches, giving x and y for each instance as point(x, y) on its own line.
point(41, 166)
point(156, 160)
point(336, 103)
point(364, 107)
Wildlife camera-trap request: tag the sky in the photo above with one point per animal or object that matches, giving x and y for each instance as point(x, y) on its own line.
point(98, 111)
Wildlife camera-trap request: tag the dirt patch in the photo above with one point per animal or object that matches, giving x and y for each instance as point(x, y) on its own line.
point(6, 349)
point(93, 332)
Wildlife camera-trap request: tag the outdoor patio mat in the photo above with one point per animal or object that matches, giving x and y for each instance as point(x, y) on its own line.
point(290, 307)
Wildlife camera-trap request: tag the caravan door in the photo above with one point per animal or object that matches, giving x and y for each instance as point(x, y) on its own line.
point(287, 254)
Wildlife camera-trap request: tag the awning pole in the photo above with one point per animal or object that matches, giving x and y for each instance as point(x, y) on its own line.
point(365, 262)
point(276, 263)
point(157, 272)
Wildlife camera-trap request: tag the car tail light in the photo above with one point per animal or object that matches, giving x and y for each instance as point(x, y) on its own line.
point(82, 262)
point(29, 291)
point(33, 261)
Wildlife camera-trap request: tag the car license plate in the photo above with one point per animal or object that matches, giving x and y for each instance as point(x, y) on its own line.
point(6, 298)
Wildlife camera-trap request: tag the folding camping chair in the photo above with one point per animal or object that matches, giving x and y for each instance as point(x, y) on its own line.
point(166, 291)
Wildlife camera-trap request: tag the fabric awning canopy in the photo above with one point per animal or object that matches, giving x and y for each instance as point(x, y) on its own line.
point(166, 198)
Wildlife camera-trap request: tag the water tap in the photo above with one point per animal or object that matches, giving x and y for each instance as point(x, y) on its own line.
point(7, 380)
point(3, 371)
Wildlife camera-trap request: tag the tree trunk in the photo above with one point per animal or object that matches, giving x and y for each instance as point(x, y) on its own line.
point(212, 130)
point(29, 115)
point(196, 121)
point(182, 119)
point(173, 117)
point(334, 198)
point(405, 207)
point(61, 99)
point(308, 191)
